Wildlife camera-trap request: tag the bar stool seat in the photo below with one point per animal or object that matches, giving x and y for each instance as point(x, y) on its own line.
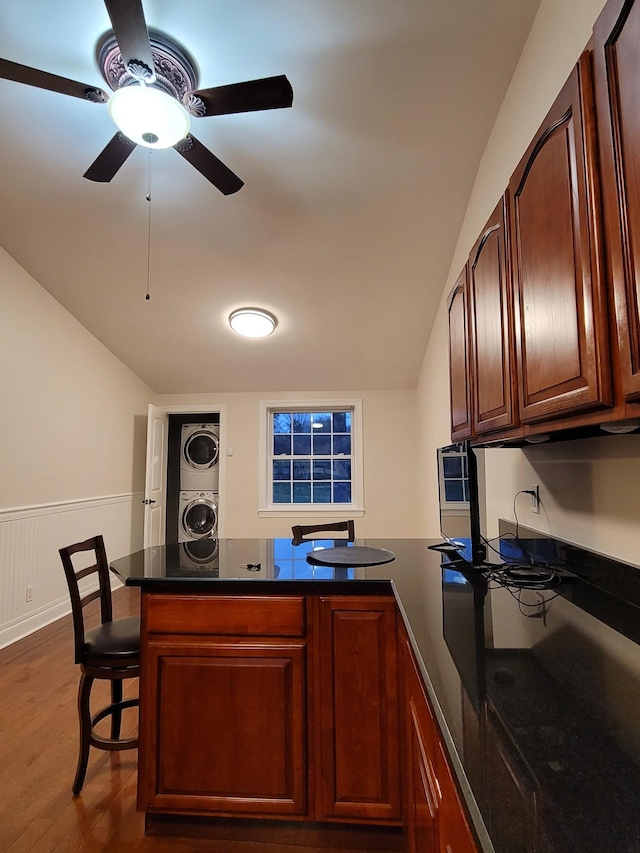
point(117, 641)
point(111, 651)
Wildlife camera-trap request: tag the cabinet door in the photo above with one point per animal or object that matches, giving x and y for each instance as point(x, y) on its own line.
point(617, 72)
point(453, 830)
point(561, 322)
point(357, 710)
point(225, 727)
point(494, 390)
point(460, 378)
point(421, 783)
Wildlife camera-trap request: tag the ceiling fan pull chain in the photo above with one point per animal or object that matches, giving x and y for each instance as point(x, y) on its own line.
point(148, 296)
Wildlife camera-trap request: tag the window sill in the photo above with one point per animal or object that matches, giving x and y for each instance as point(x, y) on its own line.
point(289, 511)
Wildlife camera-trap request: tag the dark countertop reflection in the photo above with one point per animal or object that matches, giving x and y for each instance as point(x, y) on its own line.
point(536, 691)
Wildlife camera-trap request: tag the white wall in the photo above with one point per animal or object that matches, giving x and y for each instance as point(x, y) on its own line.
point(590, 489)
point(391, 476)
point(72, 449)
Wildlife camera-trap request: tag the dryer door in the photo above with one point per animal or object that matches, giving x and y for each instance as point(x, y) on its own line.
point(200, 518)
point(201, 450)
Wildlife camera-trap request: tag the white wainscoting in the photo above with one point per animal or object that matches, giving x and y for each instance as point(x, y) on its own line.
point(30, 538)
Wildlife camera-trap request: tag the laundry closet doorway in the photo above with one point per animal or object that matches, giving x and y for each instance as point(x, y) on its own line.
point(165, 436)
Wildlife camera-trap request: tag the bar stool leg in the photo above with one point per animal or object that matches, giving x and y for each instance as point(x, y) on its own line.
point(84, 718)
point(116, 716)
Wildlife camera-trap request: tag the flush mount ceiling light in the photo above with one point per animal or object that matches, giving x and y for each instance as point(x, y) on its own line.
point(252, 322)
point(149, 116)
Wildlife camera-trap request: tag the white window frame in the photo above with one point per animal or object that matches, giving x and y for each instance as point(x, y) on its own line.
point(327, 511)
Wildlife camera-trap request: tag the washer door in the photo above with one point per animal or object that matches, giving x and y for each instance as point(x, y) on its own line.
point(201, 450)
point(200, 518)
point(201, 551)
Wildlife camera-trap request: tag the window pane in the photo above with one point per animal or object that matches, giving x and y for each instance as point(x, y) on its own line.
point(322, 469)
point(282, 469)
point(281, 422)
point(341, 421)
point(342, 444)
point(282, 493)
point(452, 466)
point(302, 493)
point(302, 445)
point(324, 419)
point(302, 422)
point(342, 493)
point(322, 493)
point(342, 469)
point(301, 469)
point(321, 445)
point(281, 445)
point(453, 490)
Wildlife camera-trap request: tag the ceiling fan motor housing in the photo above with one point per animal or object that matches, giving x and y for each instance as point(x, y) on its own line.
point(175, 69)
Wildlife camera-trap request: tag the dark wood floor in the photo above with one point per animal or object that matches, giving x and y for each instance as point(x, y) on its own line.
point(38, 753)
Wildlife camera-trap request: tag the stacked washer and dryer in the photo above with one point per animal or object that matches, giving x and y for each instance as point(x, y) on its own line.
point(198, 504)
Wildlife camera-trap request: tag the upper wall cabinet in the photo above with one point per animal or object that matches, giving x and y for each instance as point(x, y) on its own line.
point(560, 305)
point(491, 319)
point(617, 75)
point(459, 359)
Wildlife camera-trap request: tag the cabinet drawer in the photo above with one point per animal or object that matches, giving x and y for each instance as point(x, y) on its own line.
point(270, 616)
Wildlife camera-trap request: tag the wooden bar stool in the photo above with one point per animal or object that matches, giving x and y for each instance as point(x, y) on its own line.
point(111, 651)
point(301, 530)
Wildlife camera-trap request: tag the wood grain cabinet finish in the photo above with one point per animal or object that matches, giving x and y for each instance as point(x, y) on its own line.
point(357, 710)
point(223, 720)
point(617, 76)
point(460, 376)
point(561, 321)
point(493, 363)
point(435, 818)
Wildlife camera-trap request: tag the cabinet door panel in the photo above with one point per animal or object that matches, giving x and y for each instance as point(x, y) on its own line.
point(229, 733)
point(617, 73)
point(561, 320)
point(460, 378)
point(493, 392)
point(358, 710)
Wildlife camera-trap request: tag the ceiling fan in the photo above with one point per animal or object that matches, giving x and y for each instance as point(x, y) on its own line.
point(155, 94)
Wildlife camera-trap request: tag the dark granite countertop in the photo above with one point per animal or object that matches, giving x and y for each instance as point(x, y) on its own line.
point(536, 691)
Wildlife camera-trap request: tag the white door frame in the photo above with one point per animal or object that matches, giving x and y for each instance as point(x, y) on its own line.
point(219, 409)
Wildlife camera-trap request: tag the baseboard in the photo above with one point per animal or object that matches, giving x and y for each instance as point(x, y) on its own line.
point(20, 628)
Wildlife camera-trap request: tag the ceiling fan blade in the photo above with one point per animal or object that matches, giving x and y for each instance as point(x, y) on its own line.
point(268, 93)
point(130, 28)
point(43, 80)
point(208, 165)
point(107, 163)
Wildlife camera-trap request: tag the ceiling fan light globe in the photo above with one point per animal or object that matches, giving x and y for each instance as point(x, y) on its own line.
point(149, 116)
point(252, 322)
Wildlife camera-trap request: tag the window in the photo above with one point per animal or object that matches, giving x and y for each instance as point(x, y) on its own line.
point(312, 457)
point(454, 477)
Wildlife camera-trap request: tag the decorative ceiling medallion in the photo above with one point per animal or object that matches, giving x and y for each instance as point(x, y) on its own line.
point(176, 72)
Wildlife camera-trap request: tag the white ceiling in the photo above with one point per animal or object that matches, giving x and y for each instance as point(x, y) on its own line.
point(352, 201)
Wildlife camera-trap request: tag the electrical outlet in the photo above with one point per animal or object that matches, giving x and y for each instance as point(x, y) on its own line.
point(29, 594)
point(535, 498)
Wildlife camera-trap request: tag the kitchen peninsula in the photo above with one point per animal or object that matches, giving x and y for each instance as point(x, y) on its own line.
point(281, 691)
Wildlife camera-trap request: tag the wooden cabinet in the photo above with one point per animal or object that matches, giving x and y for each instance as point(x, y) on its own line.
point(436, 822)
point(237, 721)
point(460, 376)
point(493, 364)
point(357, 710)
point(224, 718)
point(617, 75)
point(561, 321)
